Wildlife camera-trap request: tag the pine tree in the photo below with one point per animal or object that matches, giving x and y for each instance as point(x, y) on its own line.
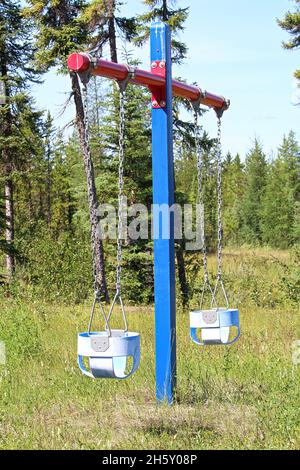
point(162, 10)
point(255, 184)
point(277, 208)
point(291, 24)
point(289, 151)
point(67, 24)
point(106, 25)
point(29, 164)
point(233, 190)
point(282, 194)
point(16, 54)
point(62, 28)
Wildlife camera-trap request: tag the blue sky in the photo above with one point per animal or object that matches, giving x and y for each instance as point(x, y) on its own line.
point(234, 50)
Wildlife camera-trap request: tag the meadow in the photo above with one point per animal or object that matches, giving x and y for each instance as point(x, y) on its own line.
point(243, 397)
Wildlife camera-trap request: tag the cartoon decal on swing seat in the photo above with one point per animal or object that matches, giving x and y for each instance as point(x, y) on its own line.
point(219, 325)
point(109, 351)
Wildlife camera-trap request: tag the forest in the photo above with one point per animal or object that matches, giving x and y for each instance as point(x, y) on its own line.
point(53, 180)
point(45, 231)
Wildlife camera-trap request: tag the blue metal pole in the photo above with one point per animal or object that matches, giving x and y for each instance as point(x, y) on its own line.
point(163, 194)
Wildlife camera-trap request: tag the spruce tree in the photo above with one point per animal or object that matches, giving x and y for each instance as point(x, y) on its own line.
point(279, 214)
point(255, 185)
point(62, 28)
point(65, 26)
point(16, 73)
point(233, 190)
point(291, 24)
point(175, 17)
point(289, 152)
point(29, 165)
point(107, 25)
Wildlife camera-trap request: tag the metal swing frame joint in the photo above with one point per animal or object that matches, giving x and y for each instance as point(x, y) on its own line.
point(220, 111)
point(85, 68)
point(124, 83)
point(197, 103)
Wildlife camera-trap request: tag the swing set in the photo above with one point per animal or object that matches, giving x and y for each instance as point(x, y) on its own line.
point(108, 351)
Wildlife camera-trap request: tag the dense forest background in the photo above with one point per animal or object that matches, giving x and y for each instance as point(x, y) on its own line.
point(44, 211)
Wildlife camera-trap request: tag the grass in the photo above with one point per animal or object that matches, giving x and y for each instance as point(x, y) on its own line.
point(243, 397)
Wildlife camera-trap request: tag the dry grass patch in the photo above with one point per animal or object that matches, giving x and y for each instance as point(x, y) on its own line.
point(224, 420)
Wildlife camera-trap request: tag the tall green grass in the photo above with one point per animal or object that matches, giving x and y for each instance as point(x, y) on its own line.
point(243, 397)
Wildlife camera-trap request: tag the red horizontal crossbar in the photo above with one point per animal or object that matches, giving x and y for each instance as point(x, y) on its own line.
point(82, 63)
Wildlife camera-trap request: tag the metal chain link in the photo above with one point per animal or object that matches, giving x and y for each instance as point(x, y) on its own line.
point(118, 296)
point(220, 281)
point(121, 189)
point(199, 155)
point(200, 189)
point(89, 171)
point(220, 198)
point(97, 299)
point(122, 87)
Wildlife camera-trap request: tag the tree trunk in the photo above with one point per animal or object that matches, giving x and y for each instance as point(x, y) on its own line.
point(8, 182)
point(9, 232)
point(182, 274)
point(165, 10)
point(179, 251)
point(48, 184)
point(112, 31)
point(92, 194)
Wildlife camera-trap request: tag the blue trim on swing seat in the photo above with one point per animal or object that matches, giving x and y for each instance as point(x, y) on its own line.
point(229, 318)
point(226, 319)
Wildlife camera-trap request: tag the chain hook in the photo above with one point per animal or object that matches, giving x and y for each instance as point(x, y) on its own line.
point(124, 83)
point(107, 326)
point(86, 75)
point(220, 111)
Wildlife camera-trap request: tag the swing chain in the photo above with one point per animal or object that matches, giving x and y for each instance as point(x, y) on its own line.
point(87, 143)
point(199, 155)
point(122, 88)
point(97, 299)
point(220, 199)
point(220, 225)
point(121, 187)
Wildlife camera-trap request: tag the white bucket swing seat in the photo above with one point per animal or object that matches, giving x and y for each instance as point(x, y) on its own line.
point(217, 326)
point(109, 351)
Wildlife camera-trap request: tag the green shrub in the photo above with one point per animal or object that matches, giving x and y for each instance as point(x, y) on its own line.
point(19, 330)
point(57, 269)
point(290, 280)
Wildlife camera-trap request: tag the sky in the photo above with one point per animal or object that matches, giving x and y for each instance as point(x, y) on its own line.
point(235, 51)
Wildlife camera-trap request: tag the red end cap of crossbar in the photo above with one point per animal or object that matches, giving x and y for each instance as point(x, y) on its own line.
point(79, 62)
